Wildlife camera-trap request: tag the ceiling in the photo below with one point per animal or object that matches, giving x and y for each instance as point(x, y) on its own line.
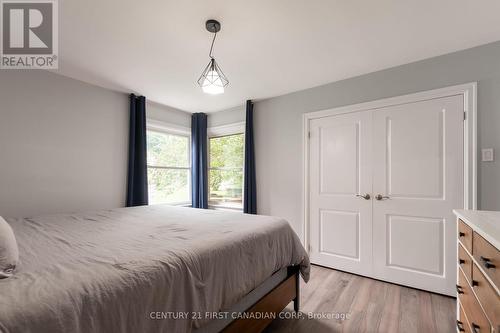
point(266, 48)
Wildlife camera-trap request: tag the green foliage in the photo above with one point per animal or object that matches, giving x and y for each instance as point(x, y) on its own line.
point(227, 151)
point(168, 186)
point(226, 181)
point(166, 150)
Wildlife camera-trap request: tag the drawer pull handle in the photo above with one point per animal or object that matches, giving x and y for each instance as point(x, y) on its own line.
point(459, 290)
point(461, 234)
point(489, 265)
point(475, 328)
point(475, 283)
point(487, 262)
point(461, 261)
point(460, 326)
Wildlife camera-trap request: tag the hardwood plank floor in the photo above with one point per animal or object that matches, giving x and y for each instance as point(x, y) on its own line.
point(344, 302)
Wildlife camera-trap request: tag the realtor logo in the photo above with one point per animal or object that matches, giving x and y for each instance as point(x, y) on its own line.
point(29, 34)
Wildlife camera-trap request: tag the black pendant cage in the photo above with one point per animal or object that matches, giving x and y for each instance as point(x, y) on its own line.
point(213, 75)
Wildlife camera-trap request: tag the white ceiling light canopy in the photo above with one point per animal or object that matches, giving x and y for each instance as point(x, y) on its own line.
point(212, 80)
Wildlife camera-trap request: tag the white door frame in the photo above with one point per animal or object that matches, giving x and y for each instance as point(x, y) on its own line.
point(468, 91)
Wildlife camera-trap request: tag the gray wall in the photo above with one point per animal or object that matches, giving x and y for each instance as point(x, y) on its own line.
point(63, 144)
point(168, 115)
point(225, 117)
point(278, 122)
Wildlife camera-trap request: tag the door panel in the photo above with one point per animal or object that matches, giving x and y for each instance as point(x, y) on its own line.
point(345, 243)
point(340, 168)
point(339, 149)
point(406, 234)
point(414, 146)
point(418, 164)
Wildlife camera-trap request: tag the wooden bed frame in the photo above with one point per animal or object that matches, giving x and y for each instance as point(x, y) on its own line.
point(273, 302)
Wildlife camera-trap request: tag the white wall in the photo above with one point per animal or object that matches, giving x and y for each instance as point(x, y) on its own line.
point(63, 143)
point(278, 122)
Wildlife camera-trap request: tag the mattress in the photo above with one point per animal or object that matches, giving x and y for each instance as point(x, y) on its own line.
point(143, 269)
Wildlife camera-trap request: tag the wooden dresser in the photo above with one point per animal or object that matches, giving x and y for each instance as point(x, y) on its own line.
point(478, 272)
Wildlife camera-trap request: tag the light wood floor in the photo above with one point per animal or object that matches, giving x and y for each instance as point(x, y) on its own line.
point(370, 306)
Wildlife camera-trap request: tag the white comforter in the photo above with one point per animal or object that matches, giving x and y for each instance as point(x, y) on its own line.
point(114, 270)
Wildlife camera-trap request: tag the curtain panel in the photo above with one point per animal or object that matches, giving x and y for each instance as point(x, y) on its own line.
point(250, 190)
point(137, 179)
point(199, 170)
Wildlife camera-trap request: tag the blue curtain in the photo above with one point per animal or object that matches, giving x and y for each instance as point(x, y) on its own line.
point(199, 170)
point(250, 192)
point(137, 180)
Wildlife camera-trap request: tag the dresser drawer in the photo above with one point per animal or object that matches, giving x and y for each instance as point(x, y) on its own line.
point(462, 322)
point(487, 296)
point(477, 319)
point(465, 262)
point(465, 235)
point(488, 257)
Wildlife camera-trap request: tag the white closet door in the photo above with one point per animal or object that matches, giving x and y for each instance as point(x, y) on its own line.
point(340, 168)
point(418, 165)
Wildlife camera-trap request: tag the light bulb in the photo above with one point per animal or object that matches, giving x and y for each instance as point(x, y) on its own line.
point(212, 83)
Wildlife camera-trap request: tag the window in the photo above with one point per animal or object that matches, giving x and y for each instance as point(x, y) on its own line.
point(169, 174)
point(226, 171)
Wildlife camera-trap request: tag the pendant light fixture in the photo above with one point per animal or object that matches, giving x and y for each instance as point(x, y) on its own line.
point(212, 80)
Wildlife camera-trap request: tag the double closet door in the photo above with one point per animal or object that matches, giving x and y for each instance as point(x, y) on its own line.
point(382, 187)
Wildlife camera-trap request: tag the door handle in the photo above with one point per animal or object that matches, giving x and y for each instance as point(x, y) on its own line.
point(366, 196)
point(381, 197)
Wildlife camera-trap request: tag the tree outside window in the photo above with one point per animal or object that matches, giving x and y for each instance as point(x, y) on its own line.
point(226, 154)
point(168, 168)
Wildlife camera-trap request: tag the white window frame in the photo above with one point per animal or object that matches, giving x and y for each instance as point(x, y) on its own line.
point(172, 129)
point(219, 131)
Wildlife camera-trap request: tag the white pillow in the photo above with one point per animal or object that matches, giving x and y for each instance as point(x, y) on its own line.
point(9, 253)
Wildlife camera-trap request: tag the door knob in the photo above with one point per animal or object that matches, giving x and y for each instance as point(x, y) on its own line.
point(366, 196)
point(381, 197)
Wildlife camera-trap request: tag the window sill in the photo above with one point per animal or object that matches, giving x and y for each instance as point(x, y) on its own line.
point(177, 204)
point(231, 209)
point(181, 204)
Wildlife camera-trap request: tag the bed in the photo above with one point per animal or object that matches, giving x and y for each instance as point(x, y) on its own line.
point(150, 269)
